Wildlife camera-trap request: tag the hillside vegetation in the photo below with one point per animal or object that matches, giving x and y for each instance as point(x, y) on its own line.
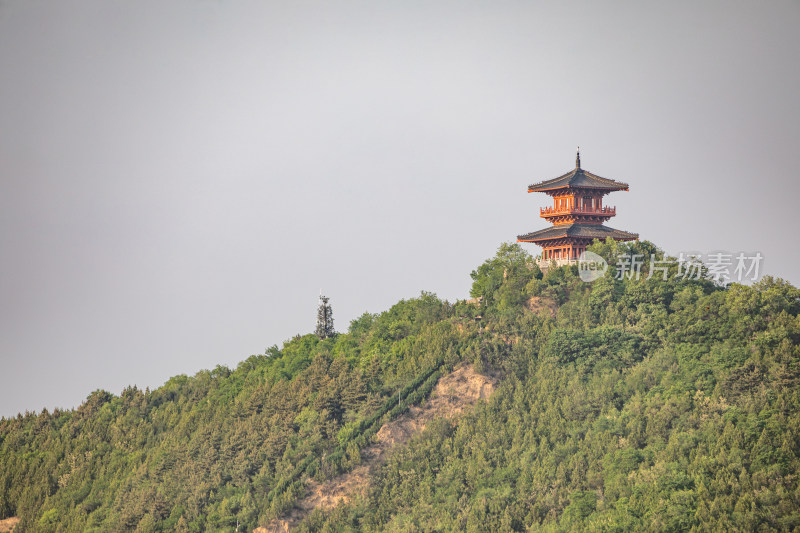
point(621, 405)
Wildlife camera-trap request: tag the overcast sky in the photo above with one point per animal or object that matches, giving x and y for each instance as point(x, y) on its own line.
point(178, 180)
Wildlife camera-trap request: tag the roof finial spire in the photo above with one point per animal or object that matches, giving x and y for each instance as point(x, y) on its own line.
point(578, 158)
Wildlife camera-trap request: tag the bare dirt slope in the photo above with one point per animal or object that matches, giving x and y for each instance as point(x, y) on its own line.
point(537, 303)
point(8, 524)
point(455, 392)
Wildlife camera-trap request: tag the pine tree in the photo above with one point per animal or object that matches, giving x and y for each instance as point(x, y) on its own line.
point(324, 319)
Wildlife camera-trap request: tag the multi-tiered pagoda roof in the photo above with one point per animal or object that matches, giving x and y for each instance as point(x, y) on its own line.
point(578, 178)
point(577, 214)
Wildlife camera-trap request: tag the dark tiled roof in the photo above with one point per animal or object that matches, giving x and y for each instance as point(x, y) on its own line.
point(589, 231)
point(578, 178)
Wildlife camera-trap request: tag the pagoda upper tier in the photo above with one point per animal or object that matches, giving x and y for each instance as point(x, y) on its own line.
point(578, 197)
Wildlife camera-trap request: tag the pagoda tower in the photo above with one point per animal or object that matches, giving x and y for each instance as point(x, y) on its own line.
point(577, 215)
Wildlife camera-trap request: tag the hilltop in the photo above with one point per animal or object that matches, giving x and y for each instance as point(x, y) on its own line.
point(620, 404)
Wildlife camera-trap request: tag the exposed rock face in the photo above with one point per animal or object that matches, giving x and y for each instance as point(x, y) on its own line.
point(537, 303)
point(8, 524)
point(455, 392)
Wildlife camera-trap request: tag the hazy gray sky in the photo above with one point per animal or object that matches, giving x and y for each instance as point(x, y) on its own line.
point(179, 179)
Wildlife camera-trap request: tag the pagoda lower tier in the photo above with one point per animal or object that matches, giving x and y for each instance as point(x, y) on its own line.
point(569, 241)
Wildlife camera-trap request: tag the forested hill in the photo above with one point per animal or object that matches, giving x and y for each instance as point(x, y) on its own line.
point(620, 405)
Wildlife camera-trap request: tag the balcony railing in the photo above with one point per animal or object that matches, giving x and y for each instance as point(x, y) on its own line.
point(603, 211)
point(543, 264)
